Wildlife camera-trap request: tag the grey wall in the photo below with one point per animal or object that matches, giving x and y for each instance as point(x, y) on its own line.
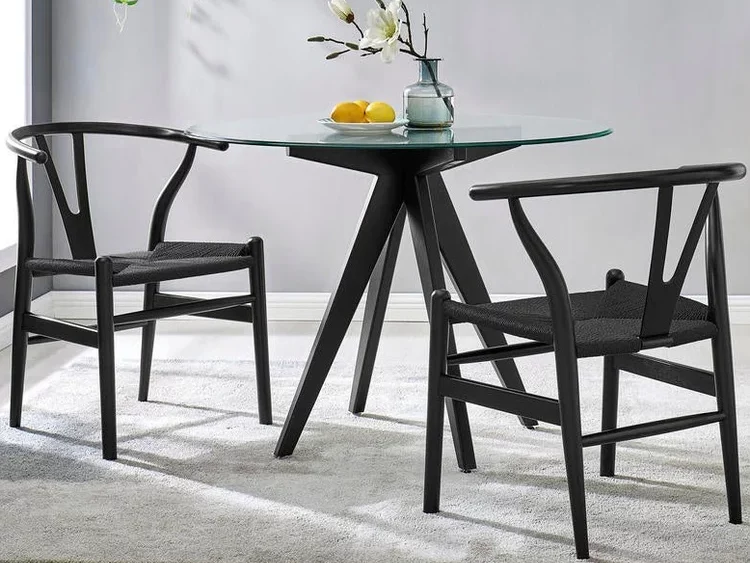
point(669, 76)
point(41, 110)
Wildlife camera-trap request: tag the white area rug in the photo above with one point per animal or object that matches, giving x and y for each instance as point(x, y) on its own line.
point(197, 482)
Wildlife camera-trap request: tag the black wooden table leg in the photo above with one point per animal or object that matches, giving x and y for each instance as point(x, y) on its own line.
point(384, 204)
point(427, 249)
point(464, 273)
point(372, 324)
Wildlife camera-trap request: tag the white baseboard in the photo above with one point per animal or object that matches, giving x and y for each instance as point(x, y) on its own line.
point(8, 256)
point(402, 307)
point(6, 327)
point(42, 305)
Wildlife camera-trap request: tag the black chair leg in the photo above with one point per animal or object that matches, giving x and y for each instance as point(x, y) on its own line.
point(722, 359)
point(610, 394)
point(260, 331)
point(106, 329)
point(148, 335)
point(725, 399)
point(570, 426)
point(435, 402)
point(20, 344)
point(609, 415)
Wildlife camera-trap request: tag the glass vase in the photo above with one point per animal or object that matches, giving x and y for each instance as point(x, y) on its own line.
point(428, 104)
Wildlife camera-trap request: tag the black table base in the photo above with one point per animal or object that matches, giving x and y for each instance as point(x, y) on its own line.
point(408, 184)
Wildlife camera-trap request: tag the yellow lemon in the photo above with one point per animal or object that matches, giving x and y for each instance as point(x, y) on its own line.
point(362, 103)
point(380, 112)
point(348, 112)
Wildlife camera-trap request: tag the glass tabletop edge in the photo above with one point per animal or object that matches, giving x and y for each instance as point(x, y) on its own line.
point(191, 133)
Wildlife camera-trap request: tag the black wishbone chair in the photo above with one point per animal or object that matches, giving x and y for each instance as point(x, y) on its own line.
point(616, 324)
point(164, 260)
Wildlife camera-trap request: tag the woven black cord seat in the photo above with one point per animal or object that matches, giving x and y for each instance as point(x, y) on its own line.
point(606, 322)
point(168, 261)
point(162, 261)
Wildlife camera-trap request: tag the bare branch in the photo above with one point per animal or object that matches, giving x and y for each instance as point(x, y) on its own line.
point(361, 33)
point(408, 24)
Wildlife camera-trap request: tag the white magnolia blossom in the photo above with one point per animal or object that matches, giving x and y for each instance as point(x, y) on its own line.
point(384, 31)
point(342, 10)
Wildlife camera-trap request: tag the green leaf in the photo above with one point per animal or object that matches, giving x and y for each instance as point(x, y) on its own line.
point(316, 39)
point(353, 46)
point(335, 55)
point(127, 2)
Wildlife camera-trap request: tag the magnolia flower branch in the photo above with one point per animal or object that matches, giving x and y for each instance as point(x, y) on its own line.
point(382, 34)
point(366, 52)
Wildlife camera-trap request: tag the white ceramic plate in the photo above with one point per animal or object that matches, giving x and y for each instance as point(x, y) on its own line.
point(362, 128)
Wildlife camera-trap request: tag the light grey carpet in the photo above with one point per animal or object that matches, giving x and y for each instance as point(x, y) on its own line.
point(196, 480)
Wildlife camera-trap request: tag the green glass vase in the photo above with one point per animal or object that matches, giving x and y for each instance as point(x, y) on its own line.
point(428, 103)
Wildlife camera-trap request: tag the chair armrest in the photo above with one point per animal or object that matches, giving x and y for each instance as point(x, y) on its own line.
point(151, 132)
point(25, 151)
point(16, 144)
point(685, 175)
point(205, 142)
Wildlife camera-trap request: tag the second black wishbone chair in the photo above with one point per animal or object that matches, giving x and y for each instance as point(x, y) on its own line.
point(616, 323)
point(162, 261)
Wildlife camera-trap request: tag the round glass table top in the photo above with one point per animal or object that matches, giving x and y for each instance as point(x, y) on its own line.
point(468, 131)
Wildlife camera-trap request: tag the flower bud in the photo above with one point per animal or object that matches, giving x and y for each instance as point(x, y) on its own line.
point(342, 10)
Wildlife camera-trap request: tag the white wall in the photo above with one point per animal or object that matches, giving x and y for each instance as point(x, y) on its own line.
point(670, 76)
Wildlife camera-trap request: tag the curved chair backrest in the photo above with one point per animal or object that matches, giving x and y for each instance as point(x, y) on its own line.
point(78, 225)
point(662, 296)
